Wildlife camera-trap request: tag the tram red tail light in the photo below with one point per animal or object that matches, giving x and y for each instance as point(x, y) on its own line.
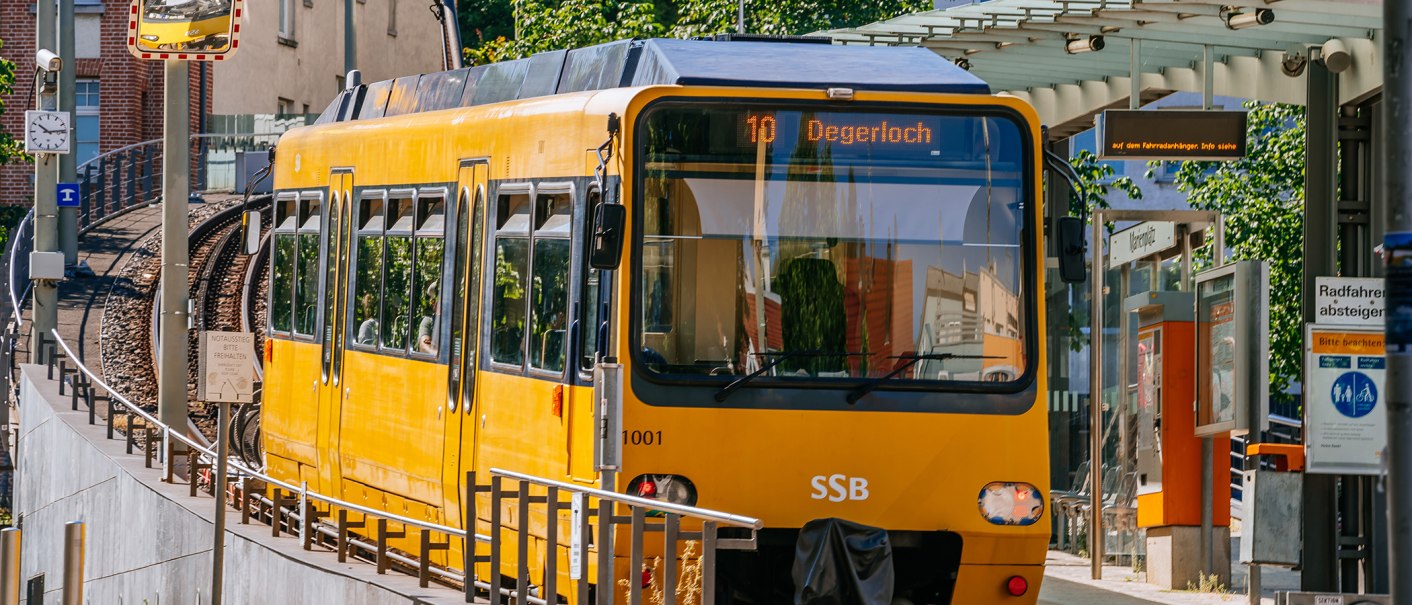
point(666, 488)
point(1017, 586)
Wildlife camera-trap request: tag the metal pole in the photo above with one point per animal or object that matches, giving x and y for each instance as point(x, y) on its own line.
point(68, 217)
point(218, 548)
point(1208, 77)
point(1135, 75)
point(740, 19)
point(1397, 91)
point(350, 37)
point(1208, 475)
point(10, 566)
point(73, 563)
point(1319, 572)
point(176, 170)
point(46, 174)
point(1095, 400)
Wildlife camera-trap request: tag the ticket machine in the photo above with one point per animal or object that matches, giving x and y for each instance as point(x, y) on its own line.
point(1168, 467)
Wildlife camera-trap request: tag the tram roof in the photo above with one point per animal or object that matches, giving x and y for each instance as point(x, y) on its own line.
point(755, 61)
point(1019, 46)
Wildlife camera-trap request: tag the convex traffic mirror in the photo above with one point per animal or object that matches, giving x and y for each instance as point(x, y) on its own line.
point(205, 27)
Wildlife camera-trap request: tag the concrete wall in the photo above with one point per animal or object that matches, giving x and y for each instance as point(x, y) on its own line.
point(147, 541)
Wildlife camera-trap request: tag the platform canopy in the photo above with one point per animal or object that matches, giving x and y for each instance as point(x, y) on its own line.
point(1022, 47)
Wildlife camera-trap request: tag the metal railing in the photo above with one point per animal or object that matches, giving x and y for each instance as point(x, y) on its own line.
point(160, 442)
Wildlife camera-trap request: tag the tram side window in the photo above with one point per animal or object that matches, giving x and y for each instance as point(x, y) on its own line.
point(550, 286)
point(588, 329)
point(511, 277)
point(367, 284)
point(431, 254)
point(306, 293)
point(282, 267)
point(397, 285)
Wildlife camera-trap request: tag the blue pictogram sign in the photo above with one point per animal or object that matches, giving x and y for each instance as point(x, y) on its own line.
point(1354, 394)
point(67, 195)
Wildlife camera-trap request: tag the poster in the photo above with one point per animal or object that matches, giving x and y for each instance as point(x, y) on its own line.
point(1222, 347)
point(1346, 419)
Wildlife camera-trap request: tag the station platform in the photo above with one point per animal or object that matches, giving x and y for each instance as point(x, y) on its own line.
point(1068, 581)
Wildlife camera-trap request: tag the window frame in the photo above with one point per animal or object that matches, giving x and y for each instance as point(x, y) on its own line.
point(551, 188)
point(584, 229)
point(286, 22)
point(276, 229)
point(350, 336)
point(488, 260)
point(396, 193)
point(978, 397)
point(444, 194)
point(319, 269)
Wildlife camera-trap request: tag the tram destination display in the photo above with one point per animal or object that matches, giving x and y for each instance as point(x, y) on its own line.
point(1172, 135)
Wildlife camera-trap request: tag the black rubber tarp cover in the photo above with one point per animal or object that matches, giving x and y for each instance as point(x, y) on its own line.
point(838, 562)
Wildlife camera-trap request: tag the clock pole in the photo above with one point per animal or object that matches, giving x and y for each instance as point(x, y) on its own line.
point(46, 210)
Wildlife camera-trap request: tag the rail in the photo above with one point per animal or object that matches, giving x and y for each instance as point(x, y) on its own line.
point(643, 515)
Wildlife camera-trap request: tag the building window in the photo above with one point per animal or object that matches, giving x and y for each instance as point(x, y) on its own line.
point(392, 17)
point(286, 19)
point(86, 120)
point(284, 106)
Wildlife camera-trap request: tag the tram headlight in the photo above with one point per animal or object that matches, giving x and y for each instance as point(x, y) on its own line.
point(675, 489)
point(149, 37)
point(1011, 503)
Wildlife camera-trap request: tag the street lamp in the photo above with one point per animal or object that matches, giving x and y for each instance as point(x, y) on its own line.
point(1084, 44)
point(1243, 20)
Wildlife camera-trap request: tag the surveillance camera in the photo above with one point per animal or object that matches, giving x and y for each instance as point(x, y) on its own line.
point(48, 61)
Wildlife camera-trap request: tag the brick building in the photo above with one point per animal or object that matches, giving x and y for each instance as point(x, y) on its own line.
point(290, 61)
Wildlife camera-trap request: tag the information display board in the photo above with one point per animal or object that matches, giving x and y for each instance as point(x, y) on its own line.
point(1172, 135)
point(1345, 421)
point(1232, 348)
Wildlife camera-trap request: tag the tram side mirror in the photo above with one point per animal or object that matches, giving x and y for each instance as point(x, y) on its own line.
point(1072, 249)
point(250, 231)
point(608, 226)
point(184, 26)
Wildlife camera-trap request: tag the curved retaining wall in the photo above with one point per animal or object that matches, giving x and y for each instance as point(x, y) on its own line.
point(148, 541)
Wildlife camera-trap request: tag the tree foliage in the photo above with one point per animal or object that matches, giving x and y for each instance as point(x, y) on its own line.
point(497, 30)
point(1261, 197)
point(10, 147)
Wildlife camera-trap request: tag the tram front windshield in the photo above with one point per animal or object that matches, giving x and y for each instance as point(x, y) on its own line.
point(831, 246)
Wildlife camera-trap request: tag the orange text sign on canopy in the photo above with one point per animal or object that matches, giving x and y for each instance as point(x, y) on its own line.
point(184, 30)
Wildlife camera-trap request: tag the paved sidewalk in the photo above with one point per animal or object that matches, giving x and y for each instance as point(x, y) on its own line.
point(1068, 580)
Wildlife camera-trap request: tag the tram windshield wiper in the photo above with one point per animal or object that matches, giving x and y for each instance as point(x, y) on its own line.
point(779, 357)
point(912, 359)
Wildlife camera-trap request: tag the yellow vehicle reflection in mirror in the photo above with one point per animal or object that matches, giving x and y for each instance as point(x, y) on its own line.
point(203, 26)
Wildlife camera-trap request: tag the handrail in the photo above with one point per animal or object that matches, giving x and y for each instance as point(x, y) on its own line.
point(169, 434)
point(15, 297)
point(666, 507)
point(194, 137)
point(524, 591)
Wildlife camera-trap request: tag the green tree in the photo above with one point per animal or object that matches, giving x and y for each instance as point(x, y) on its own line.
point(1261, 197)
point(10, 147)
point(509, 29)
point(1097, 178)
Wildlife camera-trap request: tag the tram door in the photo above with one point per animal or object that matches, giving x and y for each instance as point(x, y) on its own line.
point(467, 231)
point(331, 354)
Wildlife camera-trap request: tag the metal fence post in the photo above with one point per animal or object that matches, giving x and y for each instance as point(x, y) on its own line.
point(10, 566)
point(635, 557)
point(493, 576)
point(522, 580)
point(73, 563)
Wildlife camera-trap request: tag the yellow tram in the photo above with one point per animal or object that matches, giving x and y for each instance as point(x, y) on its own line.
point(185, 24)
point(827, 304)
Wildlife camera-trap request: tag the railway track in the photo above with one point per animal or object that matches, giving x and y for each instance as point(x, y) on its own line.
point(217, 277)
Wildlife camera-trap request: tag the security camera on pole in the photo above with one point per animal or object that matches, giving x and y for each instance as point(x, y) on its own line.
point(176, 32)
